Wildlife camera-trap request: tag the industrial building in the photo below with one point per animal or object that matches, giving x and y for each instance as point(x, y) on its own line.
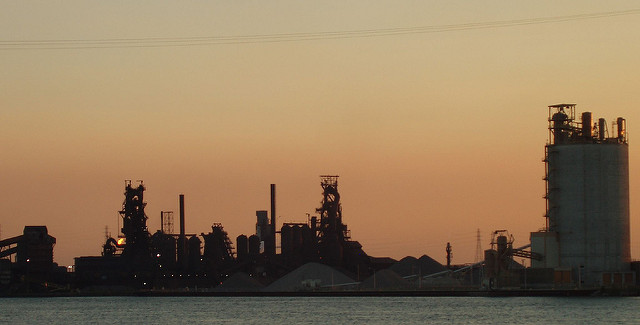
point(584, 245)
point(33, 268)
point(587, 200)
point(585, 242)
point(173, 260)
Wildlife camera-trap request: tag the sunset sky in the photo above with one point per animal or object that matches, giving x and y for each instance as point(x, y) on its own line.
point(434, 134)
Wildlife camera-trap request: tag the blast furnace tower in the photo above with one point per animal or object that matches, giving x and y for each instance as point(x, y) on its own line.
point(134, 223)
point(587, 200)
point(332, 232)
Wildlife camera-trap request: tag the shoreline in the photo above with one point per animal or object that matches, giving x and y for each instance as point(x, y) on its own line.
point(390, 293)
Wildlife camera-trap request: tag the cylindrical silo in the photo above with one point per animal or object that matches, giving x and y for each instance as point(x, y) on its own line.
point(194, 254)
point(254, 246)
point(242, 247)
point(286, 242)
point(588, 204)
point(586, 125)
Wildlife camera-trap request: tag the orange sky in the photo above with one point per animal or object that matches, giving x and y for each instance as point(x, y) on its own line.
point(433, 135)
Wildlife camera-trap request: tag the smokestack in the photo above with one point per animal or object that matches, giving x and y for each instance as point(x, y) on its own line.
point(586, 125)
point(601, 128)
point(273, 219)
point(161, 221)
point(181, 215)
point(621, 127)
point(182, 240)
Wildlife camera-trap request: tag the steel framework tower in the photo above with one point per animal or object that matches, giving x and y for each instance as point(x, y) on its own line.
point(134, 221)
point(332, 232)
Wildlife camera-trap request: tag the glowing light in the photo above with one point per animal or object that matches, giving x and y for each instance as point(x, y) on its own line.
point(121, 242)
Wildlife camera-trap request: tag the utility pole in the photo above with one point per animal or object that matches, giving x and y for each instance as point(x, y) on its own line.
point(449, 250)
point(478, 247)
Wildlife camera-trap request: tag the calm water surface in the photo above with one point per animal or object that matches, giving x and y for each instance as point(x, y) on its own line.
point(319, 310)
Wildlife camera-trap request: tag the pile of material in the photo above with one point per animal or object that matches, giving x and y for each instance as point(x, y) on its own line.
point(410, 265)
point(239, 282)
point(385, 280)
point(311, 277)
point(438, 282)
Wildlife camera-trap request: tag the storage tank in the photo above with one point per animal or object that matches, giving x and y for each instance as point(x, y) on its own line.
point(254, 246)
point(194, 255)
point(164, 249)
point(242, 247)
point(587, 198)
point(286, 241)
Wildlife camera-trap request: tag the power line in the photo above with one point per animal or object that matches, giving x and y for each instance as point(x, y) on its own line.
point(149, 42)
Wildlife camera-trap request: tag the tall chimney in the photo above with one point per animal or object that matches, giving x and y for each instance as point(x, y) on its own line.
point(586, 125)
point(621, 128)
point(181, 215)
point(273, 219)
point(182, 240)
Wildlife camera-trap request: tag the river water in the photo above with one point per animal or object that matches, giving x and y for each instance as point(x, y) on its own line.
point(320, 310)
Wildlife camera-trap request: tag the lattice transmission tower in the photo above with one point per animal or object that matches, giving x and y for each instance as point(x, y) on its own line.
point(478, 247)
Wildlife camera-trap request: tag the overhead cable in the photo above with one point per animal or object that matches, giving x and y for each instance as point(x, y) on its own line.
point(290, 37)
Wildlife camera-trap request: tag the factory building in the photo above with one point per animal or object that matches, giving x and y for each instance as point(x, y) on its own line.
point(586, 237)
point(583, 247)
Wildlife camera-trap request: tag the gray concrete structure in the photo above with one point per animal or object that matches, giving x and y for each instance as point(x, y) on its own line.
point(587, 197)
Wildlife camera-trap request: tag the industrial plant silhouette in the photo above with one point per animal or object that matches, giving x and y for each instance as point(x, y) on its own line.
point(584, 247)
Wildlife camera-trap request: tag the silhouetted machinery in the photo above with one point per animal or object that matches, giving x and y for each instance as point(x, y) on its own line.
point(325, 239)
point(134, 247)
point(218, 250)
point(134, 224)
point(332, 233)
point(140, 259)
point(136, 238)
point(298, 244)
point(33, 249)
point(500, 268)
point(33, 265)
point(335, 246)
point(164, 248)
point(128, 259)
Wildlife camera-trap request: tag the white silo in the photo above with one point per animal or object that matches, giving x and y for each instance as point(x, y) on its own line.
point(587, 175)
